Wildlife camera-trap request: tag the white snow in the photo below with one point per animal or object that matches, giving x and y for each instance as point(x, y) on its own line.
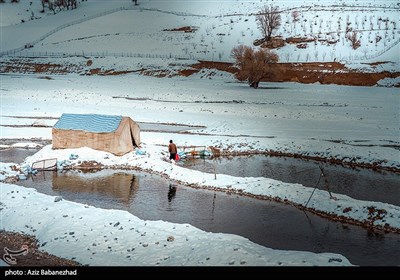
point(100, 28)
point(313, 120)
point(26, 145)
point(357, 124)
point(6, 170)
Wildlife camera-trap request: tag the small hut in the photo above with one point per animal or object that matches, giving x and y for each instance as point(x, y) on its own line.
point(115, 134)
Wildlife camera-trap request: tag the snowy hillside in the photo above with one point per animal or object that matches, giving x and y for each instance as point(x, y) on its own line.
point(104, 28)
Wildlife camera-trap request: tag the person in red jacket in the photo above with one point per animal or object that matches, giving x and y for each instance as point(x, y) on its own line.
point(172, 150)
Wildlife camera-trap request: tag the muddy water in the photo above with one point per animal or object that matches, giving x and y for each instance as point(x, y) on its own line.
point(362, 184)
point(267, 223)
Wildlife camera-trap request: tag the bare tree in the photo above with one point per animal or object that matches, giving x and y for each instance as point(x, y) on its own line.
point(355, 42)
point(365, 51)
point(50, 4)
point(268, 20)
point(254, 65)
point(295, 15)
point(72, 3)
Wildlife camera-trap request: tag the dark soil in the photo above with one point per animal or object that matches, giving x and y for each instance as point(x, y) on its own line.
point(14, 241)
point(186, 29)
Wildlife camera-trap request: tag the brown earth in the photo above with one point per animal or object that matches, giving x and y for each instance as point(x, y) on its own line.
point(109, 72)
point(34, 257)
point(311, 72)
point(28, 66)
point(88, 165)
point(186, 29)
point(326, 73)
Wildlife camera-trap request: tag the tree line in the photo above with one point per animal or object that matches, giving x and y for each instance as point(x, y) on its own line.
point(55, 5)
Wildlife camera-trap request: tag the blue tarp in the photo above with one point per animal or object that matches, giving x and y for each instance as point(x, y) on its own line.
point(89, 122)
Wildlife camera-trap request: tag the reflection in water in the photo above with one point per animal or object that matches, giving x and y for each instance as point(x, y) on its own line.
point(122, 186)
point(268, 223)
point(362, 184)
point(171, 192)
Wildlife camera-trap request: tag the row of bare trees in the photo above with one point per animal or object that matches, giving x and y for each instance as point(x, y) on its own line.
point(55, 5)
point(255, 65)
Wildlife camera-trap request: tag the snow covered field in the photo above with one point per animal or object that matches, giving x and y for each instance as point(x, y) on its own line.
point(101, 27)
point(351, 124)
point(284, 117)
point(358, 124)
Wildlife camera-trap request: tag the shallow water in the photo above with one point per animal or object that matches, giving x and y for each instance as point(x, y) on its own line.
point(16, 155)
point(361, 183)
point(271, 224)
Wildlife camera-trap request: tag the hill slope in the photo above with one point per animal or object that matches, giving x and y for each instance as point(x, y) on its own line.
point(206, 30)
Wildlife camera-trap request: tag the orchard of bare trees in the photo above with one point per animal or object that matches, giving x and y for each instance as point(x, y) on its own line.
point(57, 5)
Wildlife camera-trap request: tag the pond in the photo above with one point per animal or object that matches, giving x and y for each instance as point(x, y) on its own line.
point(268, 223)
point(360, 183)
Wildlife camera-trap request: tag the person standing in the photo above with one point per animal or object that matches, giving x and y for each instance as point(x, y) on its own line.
point(172, 150)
